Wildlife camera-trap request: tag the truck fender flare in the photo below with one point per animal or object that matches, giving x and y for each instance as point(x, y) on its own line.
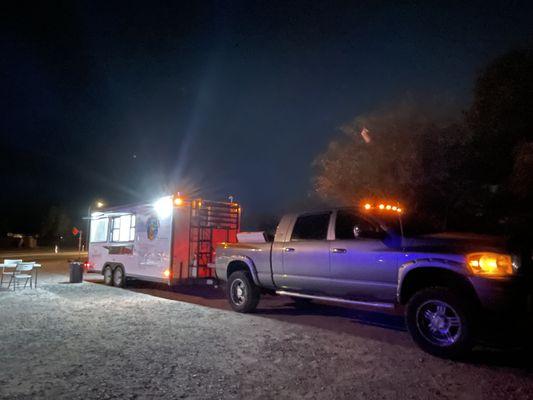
point(438, 263)
point(249, 264)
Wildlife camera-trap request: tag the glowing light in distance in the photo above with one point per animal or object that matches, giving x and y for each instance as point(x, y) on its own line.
point(367, 206)
point(178, 201)
point(381, 206)
point(163, 207)
point(166, 273)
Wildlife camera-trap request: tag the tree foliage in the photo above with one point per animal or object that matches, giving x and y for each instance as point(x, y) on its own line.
point(56, 224)
point(500, 116)
point(412, 156)
point(473, 170)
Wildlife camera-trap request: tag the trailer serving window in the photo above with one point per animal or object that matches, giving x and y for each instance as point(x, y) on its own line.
point(123, 228)
point(99, 228)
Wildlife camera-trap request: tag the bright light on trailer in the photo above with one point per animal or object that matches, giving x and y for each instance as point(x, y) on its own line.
point(163, 207)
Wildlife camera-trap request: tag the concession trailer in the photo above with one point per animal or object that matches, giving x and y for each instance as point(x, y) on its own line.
point(172, 240)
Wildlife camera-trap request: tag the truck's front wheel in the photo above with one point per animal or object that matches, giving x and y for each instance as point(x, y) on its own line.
point(243, 294)
point(441, 322)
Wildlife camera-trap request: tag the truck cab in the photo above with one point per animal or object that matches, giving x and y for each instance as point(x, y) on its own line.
point(360, 256)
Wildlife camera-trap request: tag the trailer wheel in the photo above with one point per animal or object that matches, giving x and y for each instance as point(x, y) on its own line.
point(441, 322)
point(119, 278)
point(108, 275)
point(243, 294)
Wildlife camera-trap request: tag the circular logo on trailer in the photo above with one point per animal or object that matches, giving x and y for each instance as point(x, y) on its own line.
point(152, 227)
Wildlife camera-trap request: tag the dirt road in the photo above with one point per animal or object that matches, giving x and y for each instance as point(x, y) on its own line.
point(90, 341)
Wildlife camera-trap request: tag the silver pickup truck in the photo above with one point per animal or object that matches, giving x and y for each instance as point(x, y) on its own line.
point(360, 257)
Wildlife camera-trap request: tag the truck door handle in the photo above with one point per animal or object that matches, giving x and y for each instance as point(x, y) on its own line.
point(288, 249)
point(338, 250)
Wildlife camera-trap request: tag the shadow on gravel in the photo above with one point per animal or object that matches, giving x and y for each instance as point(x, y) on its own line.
point(347, 320)
point(384, 327)
point(502, 356)
point(372, 318)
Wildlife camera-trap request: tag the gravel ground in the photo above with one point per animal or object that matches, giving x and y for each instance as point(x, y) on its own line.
point(89, 341)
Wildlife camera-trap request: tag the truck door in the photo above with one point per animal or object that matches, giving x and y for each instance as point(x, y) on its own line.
point(305, 254)
point(362, 266)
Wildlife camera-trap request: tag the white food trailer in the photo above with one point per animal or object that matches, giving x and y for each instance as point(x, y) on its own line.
point(170, 240)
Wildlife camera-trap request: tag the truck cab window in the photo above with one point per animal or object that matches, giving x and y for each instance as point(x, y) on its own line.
point(311, 227)
point(349, 226)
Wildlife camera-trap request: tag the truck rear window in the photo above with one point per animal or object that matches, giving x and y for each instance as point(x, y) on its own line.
point(311, 227)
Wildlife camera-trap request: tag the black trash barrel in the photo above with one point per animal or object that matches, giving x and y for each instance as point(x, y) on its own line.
point(76, 272)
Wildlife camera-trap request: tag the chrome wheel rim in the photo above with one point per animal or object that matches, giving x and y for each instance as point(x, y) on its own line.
point(238, 292)
point(439, 323)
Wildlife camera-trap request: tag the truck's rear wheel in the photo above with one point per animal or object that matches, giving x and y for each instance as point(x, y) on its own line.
point(441, 322)
point(119, 278)
point(243, 295)
point(108, 275)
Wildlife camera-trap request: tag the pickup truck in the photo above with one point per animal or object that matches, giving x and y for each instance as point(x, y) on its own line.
point(359, 256)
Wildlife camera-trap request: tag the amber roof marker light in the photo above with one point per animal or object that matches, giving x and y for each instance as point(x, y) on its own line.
point(385, 206)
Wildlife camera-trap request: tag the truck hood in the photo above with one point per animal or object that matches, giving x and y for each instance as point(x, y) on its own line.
point(454, 243)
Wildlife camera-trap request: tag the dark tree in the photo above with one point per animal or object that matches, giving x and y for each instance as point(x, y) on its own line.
point(406, 152)
point(501, 117)
point(56, 224)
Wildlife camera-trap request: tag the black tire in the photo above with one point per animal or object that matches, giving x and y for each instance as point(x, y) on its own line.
point(302, 302)
point(243, 294)
point(119, 278)
point(108, 275)
point(442, 322)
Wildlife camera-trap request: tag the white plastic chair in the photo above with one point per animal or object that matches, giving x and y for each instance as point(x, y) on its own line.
point(22, 272)
point(8, 263)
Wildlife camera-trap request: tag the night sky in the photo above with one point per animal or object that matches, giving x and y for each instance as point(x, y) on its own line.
point(127, 101)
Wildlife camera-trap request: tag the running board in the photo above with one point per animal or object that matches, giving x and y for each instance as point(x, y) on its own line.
point(337, 300)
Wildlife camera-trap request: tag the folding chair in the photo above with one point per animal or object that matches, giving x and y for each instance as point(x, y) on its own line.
point(7, 264)
point(22, 272)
